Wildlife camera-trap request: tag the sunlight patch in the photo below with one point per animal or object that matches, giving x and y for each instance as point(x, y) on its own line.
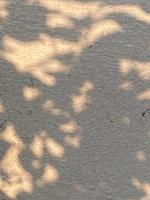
point(80, 101)
point(145, 95)
point(30, 93)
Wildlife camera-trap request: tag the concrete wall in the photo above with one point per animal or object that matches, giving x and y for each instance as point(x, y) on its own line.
point(74, 100)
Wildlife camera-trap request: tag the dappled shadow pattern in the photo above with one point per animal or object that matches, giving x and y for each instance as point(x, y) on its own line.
point(74, 99)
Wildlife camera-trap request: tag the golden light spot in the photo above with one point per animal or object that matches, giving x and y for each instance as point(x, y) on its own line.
point(51, 107)
point(56, 111)
point(126, 86)
point(55, 66)
point(132, 10)
point(87, 86)
point(73, 141)
point(25, 55)
point(144, 186)
point(48, 105)
point(136, 183)
point(50, 175)
point(99, 29)
point(9, 135)
point(37, 57)
point(126, 66)
point(126, 120)
point(36, 164)
point(141, 68)
point(54, 148)
point(3, 9)
point(80, 101)
point(2, 108)
point(145, 95)
point(30, 93)
point(73, 9)
point(43, 134)
point(44, 77)
point(37, 146)
point(18, 179)
point(59, 21)
point(69, 127)
point(141, 156)
point(40, 59)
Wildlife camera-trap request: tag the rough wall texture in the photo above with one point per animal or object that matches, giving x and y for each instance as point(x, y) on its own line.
point(74, 100)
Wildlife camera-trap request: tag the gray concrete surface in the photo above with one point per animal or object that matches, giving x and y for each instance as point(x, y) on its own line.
point(74, 100)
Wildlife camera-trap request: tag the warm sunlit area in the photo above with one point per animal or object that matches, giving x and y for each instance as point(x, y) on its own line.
point(74, 99)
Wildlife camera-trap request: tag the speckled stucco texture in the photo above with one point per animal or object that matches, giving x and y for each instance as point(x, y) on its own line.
point(74, 100)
